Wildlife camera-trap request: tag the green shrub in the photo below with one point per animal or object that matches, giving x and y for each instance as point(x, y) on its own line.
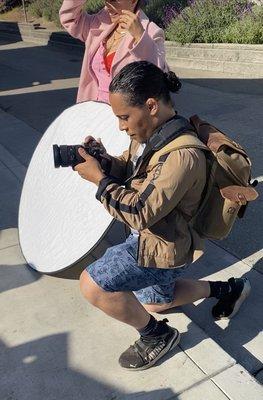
point(47, 14)
point(216, 21)
point(35, 9)
point(94, 6)
point(247, 30)
point(47, 9)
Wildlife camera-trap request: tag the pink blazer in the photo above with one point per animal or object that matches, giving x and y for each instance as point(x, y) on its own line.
point(92, 29)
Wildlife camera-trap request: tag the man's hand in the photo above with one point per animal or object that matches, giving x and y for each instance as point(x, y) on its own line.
point(90, 169)
point(99, 142)
point(130, 22)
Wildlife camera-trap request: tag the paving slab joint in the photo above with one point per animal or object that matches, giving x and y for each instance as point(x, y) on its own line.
point(207, 377)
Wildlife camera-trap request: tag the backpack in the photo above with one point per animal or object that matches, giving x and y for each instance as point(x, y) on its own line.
point(228, 188)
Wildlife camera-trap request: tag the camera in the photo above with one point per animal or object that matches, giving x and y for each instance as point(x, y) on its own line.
point(68, 155)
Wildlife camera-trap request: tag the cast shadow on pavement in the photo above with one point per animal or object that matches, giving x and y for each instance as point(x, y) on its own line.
point(15, 276)
point(10, 32)
point(40, 369)
point(65, 64)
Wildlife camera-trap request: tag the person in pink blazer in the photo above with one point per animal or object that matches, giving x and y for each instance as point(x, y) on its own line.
point(117, 35)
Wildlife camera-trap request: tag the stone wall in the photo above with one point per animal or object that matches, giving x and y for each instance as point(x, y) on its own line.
point(243, 59)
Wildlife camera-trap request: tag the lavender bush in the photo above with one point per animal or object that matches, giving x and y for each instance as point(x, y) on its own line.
point(216, 21)
point(185, 21)
point(163, 11)
point(170, 12)
point(249, 29)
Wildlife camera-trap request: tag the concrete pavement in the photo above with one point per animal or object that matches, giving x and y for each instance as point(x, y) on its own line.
point(55, 345)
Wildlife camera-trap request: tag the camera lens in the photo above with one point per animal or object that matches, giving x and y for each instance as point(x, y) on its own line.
point(56, 154)
point(66, 159)
point(67, 156)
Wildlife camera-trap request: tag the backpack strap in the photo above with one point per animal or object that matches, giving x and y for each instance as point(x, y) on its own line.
point(161, 138)
point(184, 141)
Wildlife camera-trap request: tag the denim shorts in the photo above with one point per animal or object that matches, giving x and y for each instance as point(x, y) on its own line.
point(118, 271)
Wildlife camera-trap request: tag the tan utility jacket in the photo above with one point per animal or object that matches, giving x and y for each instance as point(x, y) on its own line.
point(158, 201)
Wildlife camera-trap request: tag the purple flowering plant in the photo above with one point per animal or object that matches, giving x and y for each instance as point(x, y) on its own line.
point(244, 9)
point(170, 12)
point(214, 21)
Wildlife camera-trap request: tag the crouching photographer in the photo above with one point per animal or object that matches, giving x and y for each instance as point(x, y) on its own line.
point(158, 194)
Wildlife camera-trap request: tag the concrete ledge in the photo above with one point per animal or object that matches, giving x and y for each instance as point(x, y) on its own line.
point(246, 60)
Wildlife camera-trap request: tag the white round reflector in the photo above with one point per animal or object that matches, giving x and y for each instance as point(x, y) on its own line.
point(60, 219)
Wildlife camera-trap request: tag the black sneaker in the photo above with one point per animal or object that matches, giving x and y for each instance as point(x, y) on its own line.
point(146, 351)
point(229, 304)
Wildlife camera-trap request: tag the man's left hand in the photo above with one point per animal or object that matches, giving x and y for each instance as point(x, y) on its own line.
point(90, 169)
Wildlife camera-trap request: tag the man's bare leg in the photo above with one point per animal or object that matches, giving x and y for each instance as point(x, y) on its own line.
point(156, 337)
point(186, 291)
point(122, 306)
point(125, 307)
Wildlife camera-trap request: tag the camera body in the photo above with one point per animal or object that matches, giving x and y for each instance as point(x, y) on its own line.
point(68, 155)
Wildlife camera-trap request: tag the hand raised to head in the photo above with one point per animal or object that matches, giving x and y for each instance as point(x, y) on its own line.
point(131, 22)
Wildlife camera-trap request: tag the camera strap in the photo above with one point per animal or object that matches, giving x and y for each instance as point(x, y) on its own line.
point(172, 129)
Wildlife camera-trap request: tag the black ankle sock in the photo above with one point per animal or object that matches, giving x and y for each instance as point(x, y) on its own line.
point(149, 328)
point(219, 289)
point(154, 327)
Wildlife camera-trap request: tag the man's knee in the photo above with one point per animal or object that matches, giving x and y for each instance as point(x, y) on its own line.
point(89, 289)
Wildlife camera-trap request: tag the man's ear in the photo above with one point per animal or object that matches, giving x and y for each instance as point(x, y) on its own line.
point(152, 105)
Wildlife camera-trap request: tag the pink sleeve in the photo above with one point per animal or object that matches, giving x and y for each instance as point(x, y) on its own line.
point(76, 21)
point(151, 47)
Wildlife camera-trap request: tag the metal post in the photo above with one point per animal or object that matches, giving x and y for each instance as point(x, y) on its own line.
point(24, 9)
